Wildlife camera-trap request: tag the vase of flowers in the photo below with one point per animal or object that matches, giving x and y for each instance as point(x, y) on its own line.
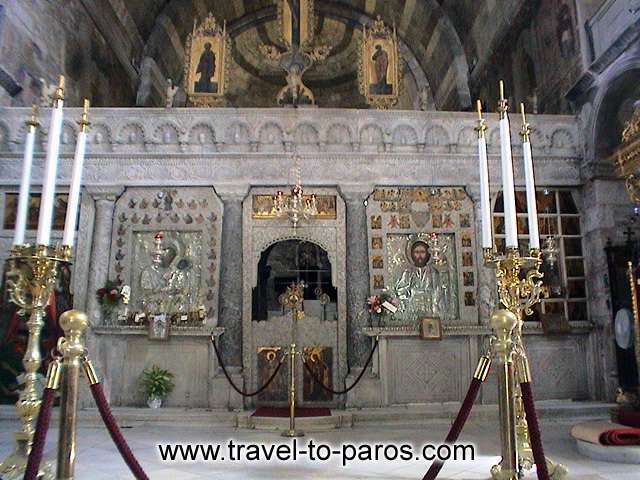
point(381, 306)
point(109, 298)
point(156, 383)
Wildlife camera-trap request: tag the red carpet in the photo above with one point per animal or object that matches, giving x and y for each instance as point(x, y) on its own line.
point(284, 412)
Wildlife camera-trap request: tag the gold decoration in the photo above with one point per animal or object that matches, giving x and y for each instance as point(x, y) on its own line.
point(208, 48)
point(628, 155)
point(379, 73)
point(31, 276)
point(519, 282)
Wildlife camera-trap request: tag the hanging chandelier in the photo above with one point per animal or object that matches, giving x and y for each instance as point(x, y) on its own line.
point(296, 206)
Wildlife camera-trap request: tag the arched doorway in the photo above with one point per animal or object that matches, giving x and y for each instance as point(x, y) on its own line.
point(314, 330)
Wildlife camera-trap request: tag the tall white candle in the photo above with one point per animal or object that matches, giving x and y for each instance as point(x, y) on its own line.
point(25, 182)
point(508, 190)
point(485, 204)
point(76, 180)
point(532, 209)
point(50, 169)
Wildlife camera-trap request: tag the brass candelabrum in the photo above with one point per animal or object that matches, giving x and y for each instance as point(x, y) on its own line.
point(519, 285)
point(31, 276)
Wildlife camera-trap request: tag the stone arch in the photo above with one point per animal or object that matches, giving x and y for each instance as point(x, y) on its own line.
point(404, 135)
point(604, 135)
point(237, 133)
point(132, 134)
point(338, 134)
point(437, 135)
point(202, 134)
point(371, 135)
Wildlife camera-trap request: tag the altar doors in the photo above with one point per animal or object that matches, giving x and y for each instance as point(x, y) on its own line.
point(274, 326)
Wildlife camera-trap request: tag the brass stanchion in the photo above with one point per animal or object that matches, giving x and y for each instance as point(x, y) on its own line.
point(74, 323)
point(503, 323)
point(31, 276)
point(292, 432)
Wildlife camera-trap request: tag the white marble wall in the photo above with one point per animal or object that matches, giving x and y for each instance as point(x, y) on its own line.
point(351, 150)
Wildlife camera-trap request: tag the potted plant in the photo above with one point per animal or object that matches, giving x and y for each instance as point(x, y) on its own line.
point(157, 383)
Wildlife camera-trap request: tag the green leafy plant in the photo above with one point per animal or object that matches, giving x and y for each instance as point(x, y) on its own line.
point(156, 382)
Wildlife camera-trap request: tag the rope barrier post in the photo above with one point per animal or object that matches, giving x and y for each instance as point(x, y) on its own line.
point(74, 323)
point(292, 432)
point(503, 322)
point(33, 471)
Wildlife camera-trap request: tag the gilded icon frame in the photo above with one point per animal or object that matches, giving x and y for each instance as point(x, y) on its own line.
point(201, 93)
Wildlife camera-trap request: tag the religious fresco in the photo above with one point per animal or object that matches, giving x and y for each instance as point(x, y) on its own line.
point(11, 210)
point(558, 54)
point(422, 252)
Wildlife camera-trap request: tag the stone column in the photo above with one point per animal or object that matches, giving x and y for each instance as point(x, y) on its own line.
point(230, 316)
point(605, 208)
point(98, 273)
point(105, 200)
point(357, 274)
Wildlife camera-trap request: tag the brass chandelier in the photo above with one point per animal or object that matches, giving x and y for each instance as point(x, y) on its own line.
point(296, 206)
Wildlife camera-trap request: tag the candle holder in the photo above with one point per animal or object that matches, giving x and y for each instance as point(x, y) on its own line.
point(519, 284)
point(31, 276)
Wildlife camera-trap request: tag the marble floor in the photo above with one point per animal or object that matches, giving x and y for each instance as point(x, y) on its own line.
point(98, 459)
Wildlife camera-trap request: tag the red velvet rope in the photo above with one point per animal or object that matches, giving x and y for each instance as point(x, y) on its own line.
point(114, 431)
point(534, 431)
point(456, 428)
point(40, 435)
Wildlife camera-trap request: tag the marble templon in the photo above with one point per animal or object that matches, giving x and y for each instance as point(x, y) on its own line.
point(348, 153)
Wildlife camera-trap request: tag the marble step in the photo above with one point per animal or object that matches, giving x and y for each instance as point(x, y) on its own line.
point(396, 415)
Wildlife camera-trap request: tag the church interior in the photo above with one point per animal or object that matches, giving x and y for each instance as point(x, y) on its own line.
point(368, 224)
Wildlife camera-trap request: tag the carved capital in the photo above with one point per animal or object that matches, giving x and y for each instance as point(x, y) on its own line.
point(105, 192)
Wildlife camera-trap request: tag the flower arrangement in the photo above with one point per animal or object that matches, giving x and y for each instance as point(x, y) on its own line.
point(375, 304)
point(109, 295)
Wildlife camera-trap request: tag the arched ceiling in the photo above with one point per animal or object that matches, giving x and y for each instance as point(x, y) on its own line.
point(430, 44)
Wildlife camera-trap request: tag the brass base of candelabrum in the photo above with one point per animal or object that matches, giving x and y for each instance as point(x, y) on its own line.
point(32, 271)
point(292, 431)
point(519, 283)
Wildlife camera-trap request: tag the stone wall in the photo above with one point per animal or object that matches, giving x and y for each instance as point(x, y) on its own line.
point(42, 40)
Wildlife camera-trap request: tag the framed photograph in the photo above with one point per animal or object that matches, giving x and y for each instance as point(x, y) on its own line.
point(159, 326)
point(206, 66)
point(430, 328)
point(379, 72)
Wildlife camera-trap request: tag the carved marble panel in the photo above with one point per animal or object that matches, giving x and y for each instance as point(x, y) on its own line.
point(427, 371)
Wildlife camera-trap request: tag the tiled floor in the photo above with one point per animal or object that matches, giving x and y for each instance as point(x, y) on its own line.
point(98, 459)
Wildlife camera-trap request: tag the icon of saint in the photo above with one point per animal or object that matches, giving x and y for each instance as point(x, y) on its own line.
point(207, 69)
point(380, 60)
